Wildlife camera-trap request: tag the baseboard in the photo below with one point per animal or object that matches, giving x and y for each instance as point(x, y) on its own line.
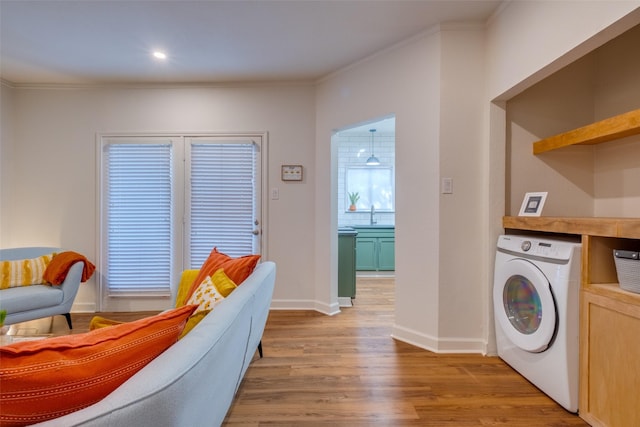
point(288, 304)
point(84, 307)
point(439, 345)
point(323, 308)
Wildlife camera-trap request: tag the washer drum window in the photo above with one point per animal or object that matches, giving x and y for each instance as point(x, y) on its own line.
point(522, 304)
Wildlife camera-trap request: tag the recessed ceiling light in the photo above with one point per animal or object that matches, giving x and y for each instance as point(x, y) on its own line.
point(159, 55)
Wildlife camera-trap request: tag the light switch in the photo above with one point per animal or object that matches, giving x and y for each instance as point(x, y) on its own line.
point(275, 193)
point(447, 186)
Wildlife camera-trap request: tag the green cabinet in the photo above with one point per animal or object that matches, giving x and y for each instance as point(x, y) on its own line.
point(347, 262)
point(387, 253)
point(366, 253)
point(375, 248)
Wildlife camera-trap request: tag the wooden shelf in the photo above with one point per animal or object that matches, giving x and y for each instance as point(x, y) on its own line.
point(628, 228)
point(616, 127)
point(613, 291)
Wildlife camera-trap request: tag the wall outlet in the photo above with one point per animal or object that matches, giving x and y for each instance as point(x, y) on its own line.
point(275, 193)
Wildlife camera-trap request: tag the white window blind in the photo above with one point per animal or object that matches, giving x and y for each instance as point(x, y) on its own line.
point(166, 201)
point(138, 218)
point(222, 199)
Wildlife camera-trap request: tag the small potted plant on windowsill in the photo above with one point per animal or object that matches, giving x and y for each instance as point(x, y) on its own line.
point(3, 329)
point(353, 199)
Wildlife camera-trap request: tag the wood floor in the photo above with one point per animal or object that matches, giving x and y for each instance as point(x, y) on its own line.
point(346, 370)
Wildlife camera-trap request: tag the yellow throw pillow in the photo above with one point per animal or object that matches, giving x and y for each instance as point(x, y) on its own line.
point(223, 283)
point(186, 280)
point(209, 294)
point(192, 322)
point(24, 272)
point(206, 296)
point(98, 322)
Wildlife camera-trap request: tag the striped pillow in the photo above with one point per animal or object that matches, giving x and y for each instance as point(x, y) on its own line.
point(23, 272)
point(46, 379)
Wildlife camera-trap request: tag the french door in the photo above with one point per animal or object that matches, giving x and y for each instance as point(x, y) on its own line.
point(166, 201)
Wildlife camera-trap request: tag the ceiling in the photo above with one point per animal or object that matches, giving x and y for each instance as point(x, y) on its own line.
point(111, 41)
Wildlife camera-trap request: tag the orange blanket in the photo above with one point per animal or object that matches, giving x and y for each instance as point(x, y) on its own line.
point(59, 266)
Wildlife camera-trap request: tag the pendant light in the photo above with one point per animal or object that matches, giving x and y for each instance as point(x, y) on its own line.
point(373, 160)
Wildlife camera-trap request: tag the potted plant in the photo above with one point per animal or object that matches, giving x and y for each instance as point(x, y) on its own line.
point(353, 199)
point(3, 315)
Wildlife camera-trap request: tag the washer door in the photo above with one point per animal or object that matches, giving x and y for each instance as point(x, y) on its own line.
point(524, 305)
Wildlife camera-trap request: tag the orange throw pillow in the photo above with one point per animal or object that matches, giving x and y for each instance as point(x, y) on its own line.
point(237, 269)
point(49, 378)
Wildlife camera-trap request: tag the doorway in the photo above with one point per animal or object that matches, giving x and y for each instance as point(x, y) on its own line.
point(366, 203)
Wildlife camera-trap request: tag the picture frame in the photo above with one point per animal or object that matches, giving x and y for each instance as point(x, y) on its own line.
point(532, 204)
point(291, 173)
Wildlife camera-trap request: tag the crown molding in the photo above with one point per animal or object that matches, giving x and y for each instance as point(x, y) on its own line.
point(194, 85)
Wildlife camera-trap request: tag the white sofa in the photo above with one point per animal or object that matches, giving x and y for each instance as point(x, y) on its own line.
point(192, 383)
point(37, 301)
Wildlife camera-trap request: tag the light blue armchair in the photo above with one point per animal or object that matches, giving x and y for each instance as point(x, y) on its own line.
point(36, 301)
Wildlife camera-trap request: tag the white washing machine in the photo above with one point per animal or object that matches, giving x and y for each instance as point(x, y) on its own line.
point(536, 303)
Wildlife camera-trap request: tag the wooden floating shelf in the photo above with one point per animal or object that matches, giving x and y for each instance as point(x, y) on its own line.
point(613, 290)
point(605, 227)
point(616, 127)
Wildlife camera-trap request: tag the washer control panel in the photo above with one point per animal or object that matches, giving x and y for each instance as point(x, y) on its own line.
point(547, 250)
point(533, 246)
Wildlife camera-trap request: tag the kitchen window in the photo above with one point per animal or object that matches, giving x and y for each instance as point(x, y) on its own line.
point(374, 185)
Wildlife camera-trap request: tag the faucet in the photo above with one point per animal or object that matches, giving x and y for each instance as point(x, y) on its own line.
point(372, 220)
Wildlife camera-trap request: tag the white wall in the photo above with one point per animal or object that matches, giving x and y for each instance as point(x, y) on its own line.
point(529, 40)
point(561, 102)
point(403, 81)
point(617, 165)
point(6, 134)
point(597, 180)
point(53, 159)
point(432, 84)
point(462, 126)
